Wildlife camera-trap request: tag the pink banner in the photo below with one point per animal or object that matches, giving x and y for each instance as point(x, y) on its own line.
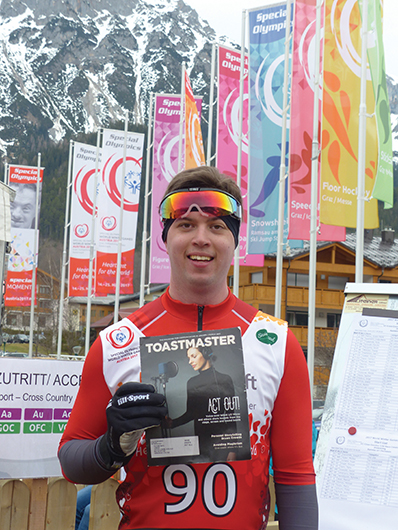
point(23, 179)
point(82, 200)
point(109, 204)
point(165, 166)
point(301, 129)
point(228, 134)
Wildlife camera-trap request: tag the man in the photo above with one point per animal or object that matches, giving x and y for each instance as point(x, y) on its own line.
point(23, 207)
point(201, 213)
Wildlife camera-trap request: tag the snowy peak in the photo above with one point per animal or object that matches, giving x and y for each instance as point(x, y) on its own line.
point(68, 66)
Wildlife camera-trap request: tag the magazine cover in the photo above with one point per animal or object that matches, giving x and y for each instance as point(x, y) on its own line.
point(202, 376)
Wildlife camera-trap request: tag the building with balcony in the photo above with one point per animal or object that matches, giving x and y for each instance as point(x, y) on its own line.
point(335, 267)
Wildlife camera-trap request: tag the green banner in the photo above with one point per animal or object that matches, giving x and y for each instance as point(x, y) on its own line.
point(383, 189)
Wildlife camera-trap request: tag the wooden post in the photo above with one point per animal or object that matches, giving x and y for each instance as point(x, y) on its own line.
point(14, 505)
point(38, 503)
point(104, 511)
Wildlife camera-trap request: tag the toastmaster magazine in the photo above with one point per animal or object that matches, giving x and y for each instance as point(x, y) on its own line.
point(202, 376)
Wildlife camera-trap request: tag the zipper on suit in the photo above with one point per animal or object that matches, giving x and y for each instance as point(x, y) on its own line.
point(200, 317)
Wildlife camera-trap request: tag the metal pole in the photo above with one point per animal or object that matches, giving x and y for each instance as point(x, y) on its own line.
point(314, 201)
point(239, 165)
point(362, 150)
point(182, 117)
point(32, 302)
point(64, 252)
point(211, 103)
point(282, 172)
point(146, 201)
point(120, 240)
point(92, 243)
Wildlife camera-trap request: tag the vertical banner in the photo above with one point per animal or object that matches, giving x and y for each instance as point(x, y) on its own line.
point(341, 100)
point(228, 133)
point(166, 131)
point(23, 179)
point(109, 203)
point(267, 33)
point(194, 153)
point(384, 185)
point(82, 202)
point(301, 128)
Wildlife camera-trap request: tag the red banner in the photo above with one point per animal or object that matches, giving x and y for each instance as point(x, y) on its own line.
point(24, 180)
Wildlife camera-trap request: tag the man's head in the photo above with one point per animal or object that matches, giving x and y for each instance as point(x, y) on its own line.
point(201, 212)
point(201, 182)
point(23, 208)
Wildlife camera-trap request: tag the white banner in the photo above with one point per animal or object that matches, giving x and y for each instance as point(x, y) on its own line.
point(109, 203)
point(36, 398)
point(82, 201)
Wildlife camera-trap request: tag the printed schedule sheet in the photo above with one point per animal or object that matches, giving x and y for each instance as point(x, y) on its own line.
point(358, 470)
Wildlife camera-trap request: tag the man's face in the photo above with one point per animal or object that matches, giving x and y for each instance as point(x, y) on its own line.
point(23, 208)
point(200, 250)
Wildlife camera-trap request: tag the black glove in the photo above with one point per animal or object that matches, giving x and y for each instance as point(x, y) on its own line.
point(133, 408)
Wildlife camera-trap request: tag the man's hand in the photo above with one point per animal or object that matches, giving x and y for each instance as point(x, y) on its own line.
point(133, 408)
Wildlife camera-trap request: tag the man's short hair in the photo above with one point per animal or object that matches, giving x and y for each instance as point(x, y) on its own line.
point(204, 177)
point(20, 186)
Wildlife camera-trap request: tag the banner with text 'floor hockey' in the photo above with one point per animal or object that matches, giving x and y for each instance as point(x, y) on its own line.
point(340, 121)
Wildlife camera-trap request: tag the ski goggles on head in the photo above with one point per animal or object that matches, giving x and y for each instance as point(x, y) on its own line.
point(209, 202)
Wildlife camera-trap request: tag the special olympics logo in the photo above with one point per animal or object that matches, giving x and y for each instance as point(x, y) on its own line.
point(306, 54)
point(230, 114)
point(265, 89)
point(81, 230)
point(131, 181)
point(108, 223)
point(167, 156)
point(341, 26)
point(81, 186)
point(120, 337)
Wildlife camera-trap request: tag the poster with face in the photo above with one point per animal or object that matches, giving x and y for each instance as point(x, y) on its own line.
point(25, 208)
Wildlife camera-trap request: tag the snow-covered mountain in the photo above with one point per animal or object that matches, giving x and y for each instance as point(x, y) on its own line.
point(67, 66)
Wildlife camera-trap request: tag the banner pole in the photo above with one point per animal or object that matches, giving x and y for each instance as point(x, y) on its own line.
point(182, 120)
point(211, 103)
point(362, 150)
point(32, 301)
point(120, 239)
point(282, 171)
point(314, 201)
point(146, 203)
point(235, 289)
point(92, 243)
point(64, 252)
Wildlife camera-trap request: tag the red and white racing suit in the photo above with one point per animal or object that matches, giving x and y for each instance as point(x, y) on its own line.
point(231, 495)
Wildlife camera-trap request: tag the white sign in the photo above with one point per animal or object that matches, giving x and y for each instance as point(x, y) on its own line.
point(36, 399)
point(357, 454)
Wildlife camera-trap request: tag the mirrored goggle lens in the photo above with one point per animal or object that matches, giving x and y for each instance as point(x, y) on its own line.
point(210, 202)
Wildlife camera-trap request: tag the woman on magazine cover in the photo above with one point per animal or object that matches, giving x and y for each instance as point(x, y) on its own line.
point(207, 394)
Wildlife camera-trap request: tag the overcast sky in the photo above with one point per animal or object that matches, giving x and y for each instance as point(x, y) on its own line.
point(225, 16)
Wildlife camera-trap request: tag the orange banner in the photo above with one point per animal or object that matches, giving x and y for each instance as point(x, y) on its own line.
point(341, 101)
point(194, 153)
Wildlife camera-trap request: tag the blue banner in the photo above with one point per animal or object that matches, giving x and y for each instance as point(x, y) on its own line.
point(267, 31)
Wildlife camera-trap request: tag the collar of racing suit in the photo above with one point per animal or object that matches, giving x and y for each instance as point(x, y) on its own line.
point(194, 312)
